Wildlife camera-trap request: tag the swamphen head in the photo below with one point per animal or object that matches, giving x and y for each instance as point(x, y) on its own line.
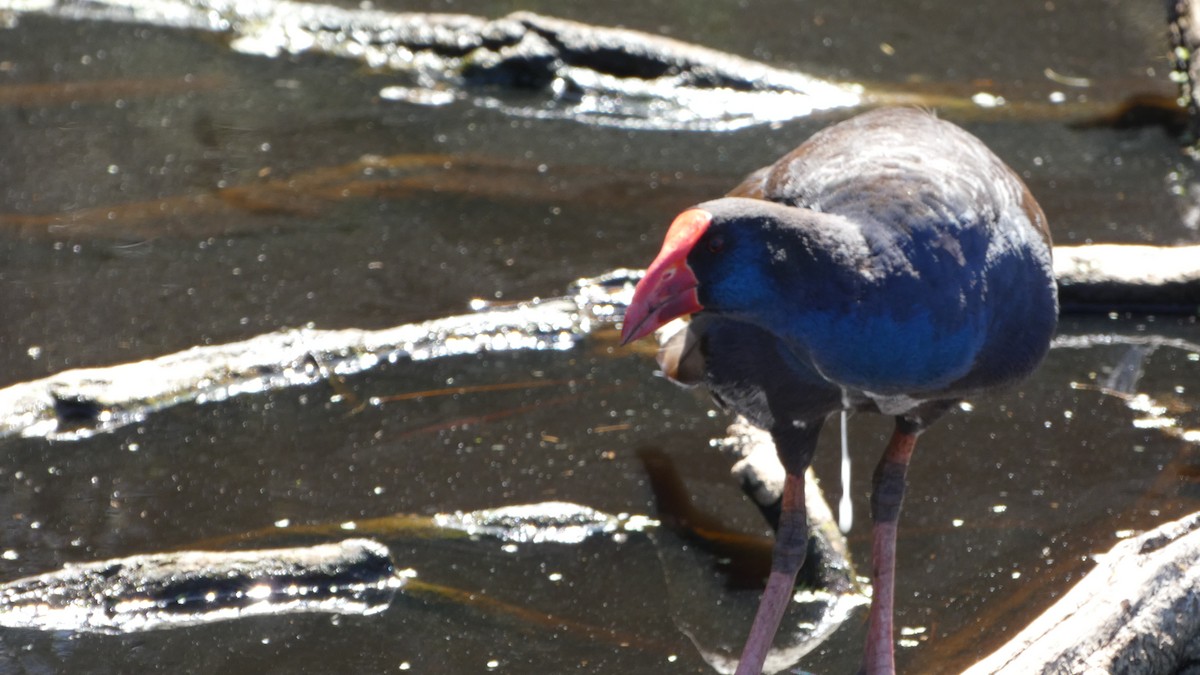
point(752, 259)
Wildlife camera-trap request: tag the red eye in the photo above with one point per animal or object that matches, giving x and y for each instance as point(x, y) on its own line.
point(716, 244)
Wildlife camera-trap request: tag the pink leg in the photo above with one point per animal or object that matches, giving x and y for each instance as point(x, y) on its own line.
point(886, 497)
point(791, 545)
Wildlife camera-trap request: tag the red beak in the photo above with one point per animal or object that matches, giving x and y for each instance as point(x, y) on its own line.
point(669, 288)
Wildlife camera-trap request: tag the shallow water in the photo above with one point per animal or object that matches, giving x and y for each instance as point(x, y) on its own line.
point(1007, 499)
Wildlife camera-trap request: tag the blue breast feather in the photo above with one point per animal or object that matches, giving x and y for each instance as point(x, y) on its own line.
point(913, 322)
point(888, 354)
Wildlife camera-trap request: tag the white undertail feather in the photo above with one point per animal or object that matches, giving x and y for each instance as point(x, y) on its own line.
point(845, 509)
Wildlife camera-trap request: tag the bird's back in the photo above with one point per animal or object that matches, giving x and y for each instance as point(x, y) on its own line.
point(956, 241)
point(860, 166)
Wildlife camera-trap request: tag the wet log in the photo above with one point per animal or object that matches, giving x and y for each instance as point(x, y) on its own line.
point(761, 475)
point(354, 576)
point(522, 48)
point(187, 588)
point(1111, 277)
point(1137, 612)
point(623, 53)
point(828, 592)
point(538, 523)
point(595, 74)
point(644, 80)
point(78, 403)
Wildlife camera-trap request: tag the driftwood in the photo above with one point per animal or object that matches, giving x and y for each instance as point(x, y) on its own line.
point(1138, 613)
point(77, 403)
point(353, 576)
point(594, 74)
point(828, 592)
point(1110, 277)
point(521, 49)
point(599, 74)
point(170, 590)
point(761, 475)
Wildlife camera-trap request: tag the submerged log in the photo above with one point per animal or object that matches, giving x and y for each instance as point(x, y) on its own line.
point(354, 576)
point(828, 592)
point(187, 588)
point(1138, 613)
point(761, 475)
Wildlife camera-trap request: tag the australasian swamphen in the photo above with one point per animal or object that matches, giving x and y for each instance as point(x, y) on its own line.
point(892, 264)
